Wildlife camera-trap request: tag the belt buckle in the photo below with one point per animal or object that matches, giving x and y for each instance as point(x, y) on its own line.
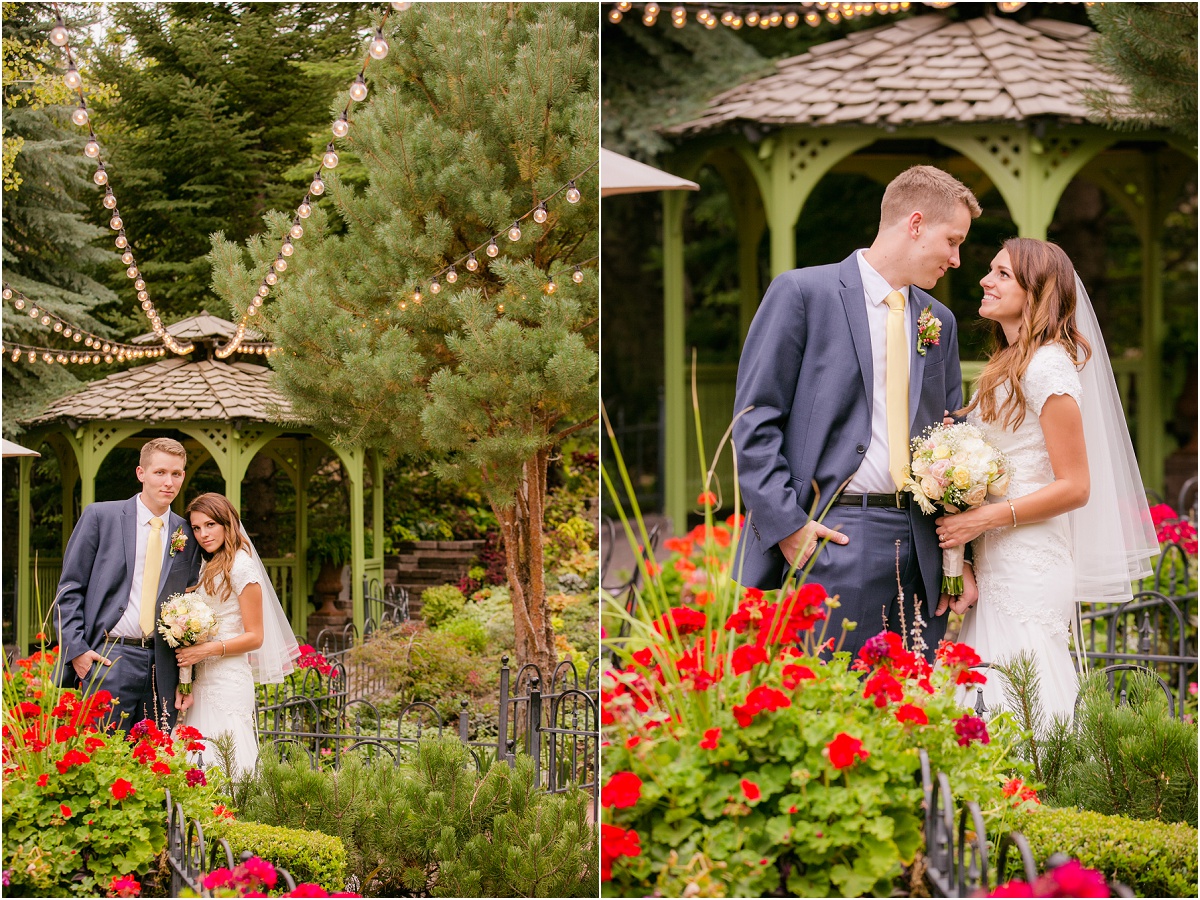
point(898, 506)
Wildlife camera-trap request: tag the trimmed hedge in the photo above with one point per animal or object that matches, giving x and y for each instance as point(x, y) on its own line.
point(309, 856)
point(1155, 859)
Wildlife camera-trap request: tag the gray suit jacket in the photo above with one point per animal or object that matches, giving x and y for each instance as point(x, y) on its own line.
point(806, 370)
point(97, 575)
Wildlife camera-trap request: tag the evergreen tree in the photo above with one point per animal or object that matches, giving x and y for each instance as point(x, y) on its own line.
point(1151, 47)
point(49, 244)
point(478, 113)
point(215, 125)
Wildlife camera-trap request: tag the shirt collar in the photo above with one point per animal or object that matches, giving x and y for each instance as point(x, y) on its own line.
point(875, 286)
point(144, 514)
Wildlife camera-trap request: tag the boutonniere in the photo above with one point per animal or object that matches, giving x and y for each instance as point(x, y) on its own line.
point(929, 329)
point(178, 540)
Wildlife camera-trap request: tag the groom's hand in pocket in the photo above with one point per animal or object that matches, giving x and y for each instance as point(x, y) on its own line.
point(799, 546)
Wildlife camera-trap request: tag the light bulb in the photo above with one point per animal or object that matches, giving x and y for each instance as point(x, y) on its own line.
point(92, 148)
point(287, 249)
point(296, 231)
point(132, 272)
point(452, 275)
point(330, 159)
point(101, 177)
point(74, 357)
point(614, 16)
point(33, 312)
point(58, 34)
point(540, 214)
point(110, 199)
point(551, 287)
point(145, 298)
point(146, 305)
point(61, 357)
point(573, 194)
point(401, 6)
point(108, 357)
point(16, 356)
point(472, 262)
point(403, 305)
point(752, 18)
point(791, 20)
point(280, 264)
point(514, 233)
point(435, 287)
point(127, 257)
point(72, 78)
point(7, 293)
point(500, 308)
point(45, 320)
point(263, 290)
point(304, 210)
point(139, 284)
point(18, 303)
point(122, 241)
point(379, 47)
point(271, 277)
point(318, 185)
point(80, 115)
point(115, 222)
point(58, 326)
point(577, 275)
point(341, 126)
point(358, 90)
point(417, 296)
point(492, 249)
point(252, 310)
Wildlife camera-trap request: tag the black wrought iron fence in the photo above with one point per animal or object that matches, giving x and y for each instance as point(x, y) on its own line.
point(559, 728)
point(957, 857)
point(191, 857)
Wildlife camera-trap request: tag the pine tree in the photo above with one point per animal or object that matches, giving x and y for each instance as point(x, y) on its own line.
point(50, 250)
point(1151, 47)
point(478, 113)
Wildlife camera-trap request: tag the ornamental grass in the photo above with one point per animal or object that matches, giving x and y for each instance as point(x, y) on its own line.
point(746, 754)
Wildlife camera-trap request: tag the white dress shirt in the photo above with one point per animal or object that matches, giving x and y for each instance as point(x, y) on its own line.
point(130, 625)
point(873, 476)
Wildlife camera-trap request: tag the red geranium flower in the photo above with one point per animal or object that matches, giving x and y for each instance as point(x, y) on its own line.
point(65, 810)
point(71, 758)
point(883, 687)
point(682, 546)
point(750, 790)
point(64, 733)
point(735, 520)
point(616, 842)
point(794, 674)
point(685, 620)
point(160, 768)
point(43, 780)
point(910, 712)
point(712, 737)
point(971, 728)
point(623, 789)
point(644, 657)
point(632, 741)
point(92, 744)
point(845, 750)
point(746, 657)
point(952, 654)
point(760, 699)
point(27, 710)
point(195, 778)
point(122, 789)
point(217, 878)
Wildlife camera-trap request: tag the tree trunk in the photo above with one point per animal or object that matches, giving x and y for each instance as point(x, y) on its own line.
point(522, 525)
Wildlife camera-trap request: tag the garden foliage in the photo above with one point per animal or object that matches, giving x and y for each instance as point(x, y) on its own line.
point(433, 826)
point(308, 856)
point(1153, 858)
point(440, 603)
point(83, 805)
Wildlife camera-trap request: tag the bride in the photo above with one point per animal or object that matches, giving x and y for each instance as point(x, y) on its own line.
point(254, 641)
point(1074, 525)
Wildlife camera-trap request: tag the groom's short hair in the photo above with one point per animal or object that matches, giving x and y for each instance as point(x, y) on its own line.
point(935, 193)
point(162, 445)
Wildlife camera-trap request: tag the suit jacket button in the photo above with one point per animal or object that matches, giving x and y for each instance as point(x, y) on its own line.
point(861, 448)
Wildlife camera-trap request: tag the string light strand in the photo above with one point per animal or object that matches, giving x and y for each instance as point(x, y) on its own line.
point(72, 332)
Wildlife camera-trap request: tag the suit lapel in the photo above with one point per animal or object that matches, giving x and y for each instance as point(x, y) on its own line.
point(173, 522)
point(916, 368)
point(129, 534)
point(860, 330)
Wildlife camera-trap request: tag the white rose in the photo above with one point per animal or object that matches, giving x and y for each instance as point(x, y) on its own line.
point(931, 488)
point(999, 487)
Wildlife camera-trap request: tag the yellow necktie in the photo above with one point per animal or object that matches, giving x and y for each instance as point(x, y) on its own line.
point(146, 614)
point(897, 389)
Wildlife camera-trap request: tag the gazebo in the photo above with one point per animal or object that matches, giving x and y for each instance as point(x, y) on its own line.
point(1005, 99)
point(226, 411)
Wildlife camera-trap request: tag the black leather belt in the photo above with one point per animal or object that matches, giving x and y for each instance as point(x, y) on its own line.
point(147, 641)
point(897, 500)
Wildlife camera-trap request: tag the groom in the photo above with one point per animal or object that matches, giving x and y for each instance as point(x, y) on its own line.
point(843, 364)
point(123, 559)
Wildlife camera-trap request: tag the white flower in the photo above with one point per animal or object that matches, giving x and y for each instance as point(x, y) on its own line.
point(976, 495)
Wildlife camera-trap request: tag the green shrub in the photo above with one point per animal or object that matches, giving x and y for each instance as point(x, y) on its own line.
point(1133, 759)
point(309, 856)
point(434, 827)
point(1155, 859)
point(491, 607)
point(468, 630)
point(441, 603)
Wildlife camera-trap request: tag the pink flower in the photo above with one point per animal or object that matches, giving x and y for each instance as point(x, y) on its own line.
point(123, 886)
point(260, 870)
point(195, 778)
point(971, 728)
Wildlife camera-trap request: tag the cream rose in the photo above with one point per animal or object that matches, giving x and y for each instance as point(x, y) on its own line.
point(975, 495)
point(961, 478)
point(999, 487)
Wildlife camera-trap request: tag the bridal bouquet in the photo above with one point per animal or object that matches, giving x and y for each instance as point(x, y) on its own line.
point(186, 620)
point(954, 466)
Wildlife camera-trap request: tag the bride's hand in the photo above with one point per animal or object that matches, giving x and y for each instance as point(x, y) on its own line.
point(962, 528)
point(189, 656)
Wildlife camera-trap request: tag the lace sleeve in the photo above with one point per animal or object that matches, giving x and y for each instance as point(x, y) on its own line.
point(1050, 372)
point(244, 572)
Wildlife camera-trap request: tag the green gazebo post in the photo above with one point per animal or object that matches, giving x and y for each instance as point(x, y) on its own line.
point(1009, 102)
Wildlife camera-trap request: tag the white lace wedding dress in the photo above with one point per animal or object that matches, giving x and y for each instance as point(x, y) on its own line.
point(224, 686)
point(1026, 575)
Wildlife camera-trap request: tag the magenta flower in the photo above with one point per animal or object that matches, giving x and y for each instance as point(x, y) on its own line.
point(971, 728)
point(195, 778)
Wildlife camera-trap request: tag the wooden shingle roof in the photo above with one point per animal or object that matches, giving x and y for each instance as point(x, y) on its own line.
point(176, 390)
point(923, 71)
point(199, 327)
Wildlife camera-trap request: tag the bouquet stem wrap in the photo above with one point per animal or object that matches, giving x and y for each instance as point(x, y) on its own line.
point(185, 679)
point(952, 570)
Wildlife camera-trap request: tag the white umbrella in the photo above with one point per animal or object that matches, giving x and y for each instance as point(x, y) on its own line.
point(11, 449)
point(622, 175)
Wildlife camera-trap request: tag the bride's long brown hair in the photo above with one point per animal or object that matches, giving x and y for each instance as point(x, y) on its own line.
point(1045, 273)
point(218, 508)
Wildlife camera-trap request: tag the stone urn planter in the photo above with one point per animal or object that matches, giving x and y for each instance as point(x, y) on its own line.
point(328, 555)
